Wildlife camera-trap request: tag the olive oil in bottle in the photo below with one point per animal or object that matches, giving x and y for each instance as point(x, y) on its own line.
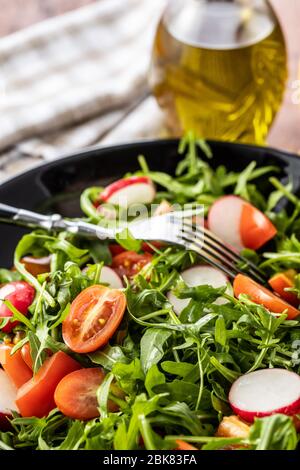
point(219, 68)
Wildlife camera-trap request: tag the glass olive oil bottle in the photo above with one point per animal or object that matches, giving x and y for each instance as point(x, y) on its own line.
point(219, 68)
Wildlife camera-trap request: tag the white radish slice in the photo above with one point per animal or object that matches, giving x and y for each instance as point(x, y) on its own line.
point(128, 191)
point(110, 277)
point(8, 395)
point(224, 220)
point(198, 276)
point(265, 392)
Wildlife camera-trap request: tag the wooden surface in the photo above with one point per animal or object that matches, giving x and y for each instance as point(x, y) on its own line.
point(17, 14)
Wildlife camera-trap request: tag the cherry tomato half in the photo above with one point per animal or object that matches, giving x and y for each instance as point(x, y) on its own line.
point(130, 263)
point(282, 281)
point(21, 295)
point(255, 228)
point(36, 397)
point(26, 355)
point(14, 365)
point(116, 249)
point(76, 394)
point(259, 294)
point(94, 317)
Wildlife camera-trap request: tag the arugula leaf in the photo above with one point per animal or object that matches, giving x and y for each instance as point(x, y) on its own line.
point(127, 241)
point(275, 432)
point(153, 343)
point(153, 378)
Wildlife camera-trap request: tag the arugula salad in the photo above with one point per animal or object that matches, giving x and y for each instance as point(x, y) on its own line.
point(123, 345)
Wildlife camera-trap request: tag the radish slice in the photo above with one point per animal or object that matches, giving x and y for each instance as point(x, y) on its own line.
point(110, 277)
point(128, 191)
point(265, 392)
point(8, 395)
point(198, 276)
point(239, 224)
point(224, 220)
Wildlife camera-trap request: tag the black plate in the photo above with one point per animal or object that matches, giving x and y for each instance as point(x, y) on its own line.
point(56, 186)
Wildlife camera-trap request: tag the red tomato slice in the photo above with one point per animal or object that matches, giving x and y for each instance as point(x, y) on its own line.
point(14, 365)
point(182, 445)
point(36, 397)
point(75, 396)
point(21, 295)
point(26, 355)
point(36, 266)
point(255, 228)
point(116, 249)
point(130, 263)
point(282, 281)
point(94, 318)
point(259, 294)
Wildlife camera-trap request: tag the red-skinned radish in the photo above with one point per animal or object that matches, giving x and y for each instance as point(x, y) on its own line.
point(197, 276)
point(21, 295)
point(128, 191)
point(239, 224)
point(8, 395)
point(265, 392)
point(110, 277)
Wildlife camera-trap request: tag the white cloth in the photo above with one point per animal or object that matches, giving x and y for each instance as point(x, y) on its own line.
point(77, 80)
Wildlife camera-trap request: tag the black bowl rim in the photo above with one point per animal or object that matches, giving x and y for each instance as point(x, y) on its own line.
point(99, 149)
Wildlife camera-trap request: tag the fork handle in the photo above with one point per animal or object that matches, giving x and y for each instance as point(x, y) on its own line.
point(16, 216)
point(56, 222)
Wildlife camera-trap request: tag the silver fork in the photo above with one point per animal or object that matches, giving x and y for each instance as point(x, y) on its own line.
point(176, 228)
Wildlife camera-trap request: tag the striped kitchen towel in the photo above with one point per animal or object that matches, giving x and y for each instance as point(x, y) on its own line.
point(77, 80)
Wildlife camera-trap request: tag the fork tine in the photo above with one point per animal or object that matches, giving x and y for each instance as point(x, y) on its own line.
point(204, 250)
point(217, 244)
point(214, 258)
point(190, 245)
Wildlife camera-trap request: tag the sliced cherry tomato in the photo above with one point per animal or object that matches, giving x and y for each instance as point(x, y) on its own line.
point(259, 294)
point(26, 355)
point(255, 228)
point(21, 295)
point(182, 445)
point(116, 249)
point(36, 266)
point(76, 394)
point(94, 318)
point(282, 281)
point(36, 397)
point(130, 263)
point(14, 365)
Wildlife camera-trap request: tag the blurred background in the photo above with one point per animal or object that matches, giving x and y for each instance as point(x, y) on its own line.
point(75, 73)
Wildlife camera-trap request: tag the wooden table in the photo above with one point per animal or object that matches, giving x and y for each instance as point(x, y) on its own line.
point(286, 130)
